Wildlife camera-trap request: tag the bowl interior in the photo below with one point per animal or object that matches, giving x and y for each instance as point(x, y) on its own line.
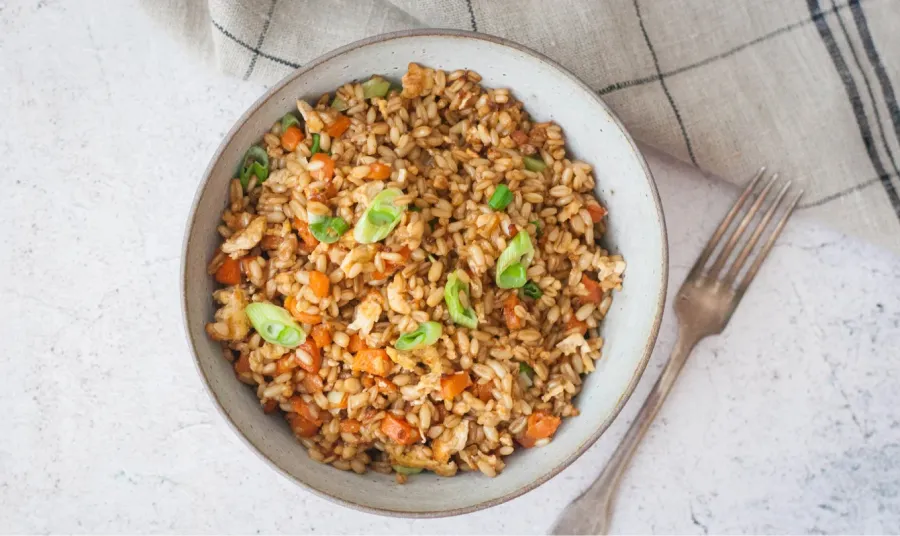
point(635, 230)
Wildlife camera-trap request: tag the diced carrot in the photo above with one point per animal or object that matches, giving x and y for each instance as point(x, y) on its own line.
point(302, 426)
point(321, 333)
point(385, 385)
point(356, 343)
point(340, 125)
point(368, 380)
point(350, 426)
point(313, 383)
point(309, 346)
point(595, 293)
point(373, 360)
point(454, 384)
point(541, 425)
point(309, 241)
point(327, 169)
point(576, 326)
point(398, 429)
point(319, 283)
point(270, 406)
point(509, 312)
point(290, 303)
point(286, 364)
point(291, 138)
point(307, 410)
point(242, 365)
point(230, 272)
point(379, 171)
point(596, 211)
point(483, 391)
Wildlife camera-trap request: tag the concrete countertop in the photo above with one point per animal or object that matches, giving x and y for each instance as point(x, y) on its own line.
point(787, 423)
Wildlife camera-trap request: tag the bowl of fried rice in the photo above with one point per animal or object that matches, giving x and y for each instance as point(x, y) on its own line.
point(424, 273)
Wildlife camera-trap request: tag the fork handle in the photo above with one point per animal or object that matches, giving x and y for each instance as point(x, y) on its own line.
point(591, 512)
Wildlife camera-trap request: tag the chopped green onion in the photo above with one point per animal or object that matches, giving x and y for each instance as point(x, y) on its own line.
point(275, 324)
point(425, 335)
point(501, 199)
point(256, 162)
point(534, 164)
point(514, 261)
point(537, 226)
point(328, 230)
point(403, 470)
point(462, 314)
point(339, 104)
point(525, 368)
point(414, 208)
point(375, 87)
point(380, 217)
point(289, 120)
point(431, 258)
point(315, 146)
point(531, 290)
point(512, 277)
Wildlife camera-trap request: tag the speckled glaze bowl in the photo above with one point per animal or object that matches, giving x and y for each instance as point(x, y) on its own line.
point(636, 230)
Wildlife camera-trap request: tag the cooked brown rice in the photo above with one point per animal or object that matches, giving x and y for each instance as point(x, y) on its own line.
point(449, 143)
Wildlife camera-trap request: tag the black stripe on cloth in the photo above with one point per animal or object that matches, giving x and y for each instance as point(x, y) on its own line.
point(472, 15)
point(262, 37)
point(706, 61)
point(257, 51)
point(883, 80)
point(862, 121)
point(837, 195)
point(859, 66)
point(662, 82)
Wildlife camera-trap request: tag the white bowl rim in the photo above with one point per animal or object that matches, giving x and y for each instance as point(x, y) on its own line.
point(648, 348)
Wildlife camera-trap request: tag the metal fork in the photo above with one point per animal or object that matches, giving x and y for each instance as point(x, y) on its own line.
point(704, 305)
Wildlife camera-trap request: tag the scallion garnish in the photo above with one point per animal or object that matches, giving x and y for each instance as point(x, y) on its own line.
point(531, 290)
point(289, 120)
point(380, 217)
point(425, 335)
point(534, 164)
point(339, 104)
point(256, 162)
point(375, 87)
point(501, 198)
point(513, 262)
point(275, 324)
point(456, 295)
point(327, 229)
point(315, 145)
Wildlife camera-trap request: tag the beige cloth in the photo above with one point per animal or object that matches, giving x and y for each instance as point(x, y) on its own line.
point(803, 86)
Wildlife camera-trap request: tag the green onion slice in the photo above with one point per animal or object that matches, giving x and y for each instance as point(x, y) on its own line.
point(531, 290)
point(501, 199)
point(537, 227)
point(425, 335)
point(534, 164)
point(514, 261)
point(256, 162)
point(375, 87)
point(525, 368)
point(326, 229)
point(275, 324)
point(339, 104)
point(455, 292)
point(403, 470)
point(315, 146)
point(380, 217)
point(289, 120)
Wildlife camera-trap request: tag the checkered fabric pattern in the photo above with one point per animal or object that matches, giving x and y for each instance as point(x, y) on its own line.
point(804, 86)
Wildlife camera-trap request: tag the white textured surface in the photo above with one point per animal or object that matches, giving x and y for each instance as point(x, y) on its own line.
point(789, 422)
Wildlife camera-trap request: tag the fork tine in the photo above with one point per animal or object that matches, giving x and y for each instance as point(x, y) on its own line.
point(726, 221)
point(754, 238)
point(764, 252)
point(741, 227)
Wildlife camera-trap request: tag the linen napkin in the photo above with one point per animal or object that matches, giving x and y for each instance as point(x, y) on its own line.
point(806, 87)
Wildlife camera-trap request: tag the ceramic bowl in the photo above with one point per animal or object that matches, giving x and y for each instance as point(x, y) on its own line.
point(635, 229)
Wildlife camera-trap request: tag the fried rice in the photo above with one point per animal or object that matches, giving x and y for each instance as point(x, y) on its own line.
point(477, 392)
